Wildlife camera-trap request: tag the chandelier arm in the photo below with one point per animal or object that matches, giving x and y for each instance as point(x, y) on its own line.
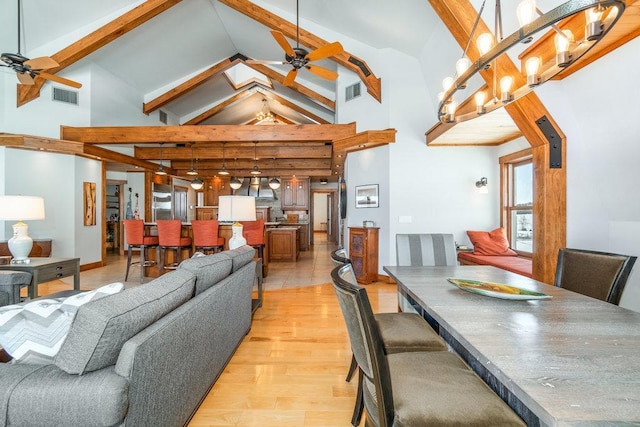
point(561, 12)
point(473, 29)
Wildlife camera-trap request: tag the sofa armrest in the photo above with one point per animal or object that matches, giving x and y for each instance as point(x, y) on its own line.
point(46, 395)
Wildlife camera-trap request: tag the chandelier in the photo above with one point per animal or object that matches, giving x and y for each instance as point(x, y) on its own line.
point(265, 115)
point(600, 17)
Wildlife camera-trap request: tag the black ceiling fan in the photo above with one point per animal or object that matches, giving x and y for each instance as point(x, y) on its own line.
point(299, 57)
point(27, 69)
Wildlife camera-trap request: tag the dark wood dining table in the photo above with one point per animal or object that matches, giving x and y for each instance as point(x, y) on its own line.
point(565, 361)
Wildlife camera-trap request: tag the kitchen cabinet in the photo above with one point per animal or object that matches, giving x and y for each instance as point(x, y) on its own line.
point(363, 253)
point(295, 193)
point(214, 188)
point(303, 237)
point(206, 212)
point(283, 244)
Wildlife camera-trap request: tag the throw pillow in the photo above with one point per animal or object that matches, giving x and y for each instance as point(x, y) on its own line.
point(34, 331)
point(491, 243)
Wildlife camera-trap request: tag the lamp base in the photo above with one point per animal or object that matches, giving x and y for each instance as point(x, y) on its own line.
point(20, 244)
point(237, 239)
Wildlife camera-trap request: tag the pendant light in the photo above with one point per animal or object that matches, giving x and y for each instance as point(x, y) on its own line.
point(161, 170)
point(224, 170)
point(256, 170)
point(274, 183)
point(235, 182)
point(191, 170)
point(197, 184)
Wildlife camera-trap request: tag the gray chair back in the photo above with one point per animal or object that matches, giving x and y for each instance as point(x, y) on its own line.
point(595, 274)
point(339, 257)
point(366, 342)
point(425, 250)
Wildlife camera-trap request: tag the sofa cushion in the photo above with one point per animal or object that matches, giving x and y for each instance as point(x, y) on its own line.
point(493, 242)
point(209, 269)
point(241, 256)
point(102, 327)
point(34, 331)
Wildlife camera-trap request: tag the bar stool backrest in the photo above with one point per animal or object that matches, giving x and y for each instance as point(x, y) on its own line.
point(253, 231)
point(205, 232)
point(134, 231)
point(169, 232)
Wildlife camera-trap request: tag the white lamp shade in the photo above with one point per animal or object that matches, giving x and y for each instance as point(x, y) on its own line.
point(236, 208)
point(21, 208)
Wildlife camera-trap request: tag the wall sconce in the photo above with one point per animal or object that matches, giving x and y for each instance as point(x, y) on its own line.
point(482, 185)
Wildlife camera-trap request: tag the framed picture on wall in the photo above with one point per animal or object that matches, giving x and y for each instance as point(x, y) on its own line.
point(367, 196)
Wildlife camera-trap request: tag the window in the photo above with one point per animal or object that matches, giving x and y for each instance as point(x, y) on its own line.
point(517, 200)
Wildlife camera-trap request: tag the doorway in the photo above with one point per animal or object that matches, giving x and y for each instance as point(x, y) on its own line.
point(324, 216)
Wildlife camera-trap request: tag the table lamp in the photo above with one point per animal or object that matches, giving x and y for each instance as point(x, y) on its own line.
point(236, 208)
point(21, 208)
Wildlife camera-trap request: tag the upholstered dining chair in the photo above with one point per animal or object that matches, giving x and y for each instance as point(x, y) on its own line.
point(425, 250)
point(595, 274)
point(339, 257)
point(135, 238)
point(205, 236)
point(400, 332)
point(170, 238)
point(413, 388)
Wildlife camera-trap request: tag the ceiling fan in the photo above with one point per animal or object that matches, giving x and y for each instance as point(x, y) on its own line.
point(299, 57)
point(27, 69)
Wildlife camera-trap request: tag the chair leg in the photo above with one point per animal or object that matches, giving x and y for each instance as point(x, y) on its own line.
point(357, 410)
point(143, 248)
point(126, 274)
point(352, 369)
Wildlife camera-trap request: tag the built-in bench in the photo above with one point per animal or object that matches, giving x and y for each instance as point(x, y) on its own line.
point(515, 264)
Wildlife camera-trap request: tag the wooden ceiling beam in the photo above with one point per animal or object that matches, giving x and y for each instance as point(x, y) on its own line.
point(188, 134)
point(549, 184)
point(310, 40)
point(95, 40)
point(206, 174)
point(190, 84)
point(270, 163)
point(113, 156)
point(214, 151)
point(293, 106)
point(29, 142)
point(206, 115)
point(361, 141)
point(301, 89)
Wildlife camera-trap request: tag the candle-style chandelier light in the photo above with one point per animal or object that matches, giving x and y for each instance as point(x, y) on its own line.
point(599, 17)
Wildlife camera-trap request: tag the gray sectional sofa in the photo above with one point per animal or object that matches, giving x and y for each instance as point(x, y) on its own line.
point(146, 356)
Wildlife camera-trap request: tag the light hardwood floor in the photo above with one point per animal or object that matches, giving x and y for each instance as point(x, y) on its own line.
point(290, 369)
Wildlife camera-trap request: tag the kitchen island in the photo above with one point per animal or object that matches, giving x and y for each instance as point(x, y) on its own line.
point(283, 243)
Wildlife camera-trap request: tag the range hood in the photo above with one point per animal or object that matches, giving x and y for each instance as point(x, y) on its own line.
point(257, 187)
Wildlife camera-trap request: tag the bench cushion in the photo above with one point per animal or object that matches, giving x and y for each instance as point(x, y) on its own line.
point(515, 264)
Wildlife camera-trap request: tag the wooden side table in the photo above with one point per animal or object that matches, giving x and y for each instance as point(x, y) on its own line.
point(363, 253)
point(47, 269)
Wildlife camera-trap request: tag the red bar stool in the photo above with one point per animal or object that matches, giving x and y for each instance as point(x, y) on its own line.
point(205, 236)
point(170, 238)
point(135, 238)
point(253, 231)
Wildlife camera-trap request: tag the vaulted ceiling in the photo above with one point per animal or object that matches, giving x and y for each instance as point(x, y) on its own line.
point(188, 58)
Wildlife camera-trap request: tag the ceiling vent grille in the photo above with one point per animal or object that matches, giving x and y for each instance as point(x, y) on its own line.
point(352, 91)
point(163, 117)
point(64, 95)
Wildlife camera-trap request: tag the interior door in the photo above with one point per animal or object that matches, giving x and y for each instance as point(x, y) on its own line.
point(180, 203)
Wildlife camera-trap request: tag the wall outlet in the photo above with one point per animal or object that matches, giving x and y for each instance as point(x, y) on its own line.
point(404, 219)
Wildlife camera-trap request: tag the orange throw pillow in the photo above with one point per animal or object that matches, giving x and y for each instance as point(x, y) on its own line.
point(491, 243)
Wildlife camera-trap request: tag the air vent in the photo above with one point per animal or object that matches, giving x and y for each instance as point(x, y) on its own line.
point(352, 91)
point(64, 95)
point(163, 117)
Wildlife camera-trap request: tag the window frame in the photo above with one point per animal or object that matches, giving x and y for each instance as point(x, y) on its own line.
point(507, 193)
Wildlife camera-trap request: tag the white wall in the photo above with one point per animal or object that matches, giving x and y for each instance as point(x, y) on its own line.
point(597, 108)
point(58, 179)
point(319, 210)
